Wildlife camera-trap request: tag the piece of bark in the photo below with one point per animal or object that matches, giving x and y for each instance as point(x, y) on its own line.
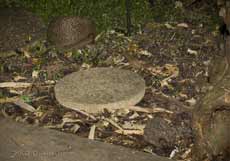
point(22, 142)
point(211, 117)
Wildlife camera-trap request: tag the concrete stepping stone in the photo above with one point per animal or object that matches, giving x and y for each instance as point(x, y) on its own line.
point(98, 88)
point(70, 32)
point(18, 27)
point(28, 143)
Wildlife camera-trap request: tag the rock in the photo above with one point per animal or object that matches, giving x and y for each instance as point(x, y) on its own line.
point(19, 28)
point(166, 134)
point(28, 143)
point(98, 88)
point(70, 32)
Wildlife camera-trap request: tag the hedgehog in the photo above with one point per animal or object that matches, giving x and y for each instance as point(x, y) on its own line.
point(70, 32)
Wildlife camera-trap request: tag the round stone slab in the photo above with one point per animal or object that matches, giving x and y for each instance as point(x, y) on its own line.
point(98, 88)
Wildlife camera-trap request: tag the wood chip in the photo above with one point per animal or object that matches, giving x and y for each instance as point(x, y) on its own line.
point(15, 85)
point(75, 128)
point(149, 109)
point(130, 132)
point(19, 102)
point(8, 100)
point(85, 113)
point(92, 132)
point(113, 123)
point(19, 78)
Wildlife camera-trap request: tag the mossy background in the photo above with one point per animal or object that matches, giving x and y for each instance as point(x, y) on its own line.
point(107, 14)
point(111, 14)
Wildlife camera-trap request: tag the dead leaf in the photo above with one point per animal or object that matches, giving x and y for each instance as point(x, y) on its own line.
point(134, 115)
point(178, 4)
point(190, 51)
point(183, 25)
point(191, 101)
point(121, 112)
point(19, 78)
point(173, 153)
point(145, 53)
point(35, 74)
point(168, 26)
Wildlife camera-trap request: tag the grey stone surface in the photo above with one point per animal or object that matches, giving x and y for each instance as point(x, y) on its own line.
point(168, 134)
point(98, 88)
point(20, 142)
point(17, 27)
point(70, 32)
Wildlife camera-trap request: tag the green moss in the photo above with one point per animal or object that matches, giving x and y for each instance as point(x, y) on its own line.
point(111, 14)
point(106, 14)
point(167, 11)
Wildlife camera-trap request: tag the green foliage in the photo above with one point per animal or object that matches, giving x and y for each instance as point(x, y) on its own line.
point(165, 10)
point(1, 94)
point(85, 56)
point(26, 99)
point(107, 14)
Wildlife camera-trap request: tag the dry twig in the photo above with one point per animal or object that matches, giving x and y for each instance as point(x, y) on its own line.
point(148, 110)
